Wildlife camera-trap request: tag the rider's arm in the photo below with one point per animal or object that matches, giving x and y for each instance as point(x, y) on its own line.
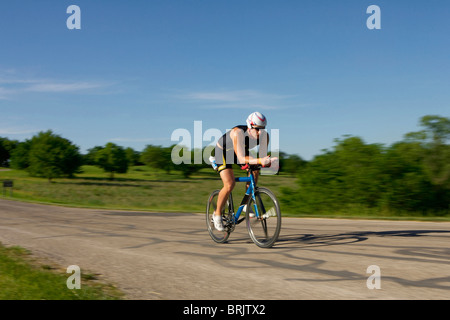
point(238, 137)
point(263, 143)
point(264, 159)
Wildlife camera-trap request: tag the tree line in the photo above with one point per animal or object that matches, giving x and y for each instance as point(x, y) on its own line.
point(50, 156)
point(412, 175)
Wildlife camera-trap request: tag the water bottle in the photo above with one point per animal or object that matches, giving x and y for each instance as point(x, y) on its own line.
point(213, 163)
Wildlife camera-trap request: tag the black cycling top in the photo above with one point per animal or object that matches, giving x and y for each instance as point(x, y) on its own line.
point(225, 154)
point(226, 143)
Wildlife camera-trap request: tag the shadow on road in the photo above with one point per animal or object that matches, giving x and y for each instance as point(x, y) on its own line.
point(311, 240)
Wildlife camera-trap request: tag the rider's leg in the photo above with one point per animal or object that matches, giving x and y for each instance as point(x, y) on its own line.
point(227, 176)
point(256, 176)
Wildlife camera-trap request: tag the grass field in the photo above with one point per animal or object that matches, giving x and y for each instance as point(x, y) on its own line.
point(23, 277)
point(146, 189)
point(142, 188)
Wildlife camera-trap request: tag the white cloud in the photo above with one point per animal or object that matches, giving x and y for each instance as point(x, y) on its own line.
point(138, 139)
point(233, 95)
point(12, 85)
point(244, 105)
point(16, 130)
point(225, 96)
point(238, 99)
point(63, 87)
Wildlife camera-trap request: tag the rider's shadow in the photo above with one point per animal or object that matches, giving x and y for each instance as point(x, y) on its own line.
point(312, 240)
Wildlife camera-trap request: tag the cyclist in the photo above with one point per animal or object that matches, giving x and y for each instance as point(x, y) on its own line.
point(233, 148)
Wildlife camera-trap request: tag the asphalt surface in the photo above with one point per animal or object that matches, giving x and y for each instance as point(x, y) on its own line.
point(171, 256)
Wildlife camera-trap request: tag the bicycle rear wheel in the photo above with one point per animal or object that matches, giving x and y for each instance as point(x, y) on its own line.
point(216, 235)
point(265, 229)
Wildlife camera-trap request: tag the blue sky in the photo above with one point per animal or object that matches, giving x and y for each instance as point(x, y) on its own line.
point(138, 70)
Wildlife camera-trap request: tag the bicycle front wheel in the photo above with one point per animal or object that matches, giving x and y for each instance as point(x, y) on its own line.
point(264, 218)
point(216, 235)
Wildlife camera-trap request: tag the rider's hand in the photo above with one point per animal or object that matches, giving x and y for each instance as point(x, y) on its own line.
point(274, 162)
point(266, 161)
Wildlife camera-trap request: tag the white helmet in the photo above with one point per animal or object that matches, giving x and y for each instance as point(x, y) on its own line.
point(256, 120)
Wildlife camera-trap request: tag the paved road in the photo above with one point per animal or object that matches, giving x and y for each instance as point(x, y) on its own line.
point(170, 256)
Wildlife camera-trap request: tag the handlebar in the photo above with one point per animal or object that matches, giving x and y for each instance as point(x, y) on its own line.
point(245, 167)
point(250, 167)
point(257, 166)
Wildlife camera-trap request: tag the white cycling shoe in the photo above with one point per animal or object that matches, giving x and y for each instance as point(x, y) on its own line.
point(218, 224)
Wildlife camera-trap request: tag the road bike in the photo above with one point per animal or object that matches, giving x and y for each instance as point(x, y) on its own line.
point(261, 211)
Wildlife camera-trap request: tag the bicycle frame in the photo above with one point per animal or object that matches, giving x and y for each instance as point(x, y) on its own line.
point(250, 192)
point(263, 233)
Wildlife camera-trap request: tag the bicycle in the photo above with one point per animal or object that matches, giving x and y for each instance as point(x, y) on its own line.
point(262, 214)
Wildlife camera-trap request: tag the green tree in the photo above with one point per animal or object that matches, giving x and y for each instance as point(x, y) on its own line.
point(437, 160)
point(6, 148)
point(188, 169)
point(348, 174)
point(187, 166)
point(52, 156)
point(90, 156)
point(434, 139)
point(406, 184)
point(161, 158)
point(318, 186)
point(133, 157)
point(20, 156)
point(291, 163)
point(157, 157)
point(437, 128)
point(411, 175)
point(112, 158)
point(361, 171)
